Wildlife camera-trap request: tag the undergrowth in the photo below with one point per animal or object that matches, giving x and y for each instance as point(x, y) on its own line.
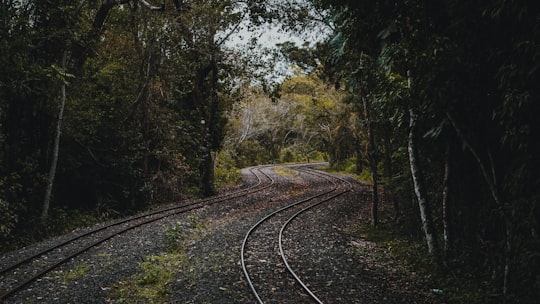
point(158, 272)
point(64, 220)
point(284, 171)
point(457, 282)
point(151, 284)
point(227, 173)
point(77, 272)
point(61, 221)
point(460, 280)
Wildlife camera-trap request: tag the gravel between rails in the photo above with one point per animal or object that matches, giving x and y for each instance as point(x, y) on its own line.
point(317, 246)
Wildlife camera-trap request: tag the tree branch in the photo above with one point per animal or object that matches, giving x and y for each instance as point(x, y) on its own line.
point(153, 7)
point(490, 180)
point(103, 12)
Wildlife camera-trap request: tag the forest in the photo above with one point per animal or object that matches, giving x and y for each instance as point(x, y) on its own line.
point(111, 107)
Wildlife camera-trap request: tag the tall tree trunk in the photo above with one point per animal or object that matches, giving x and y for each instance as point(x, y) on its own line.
point(491, 181)
point(389, 172)
point(372, 152)
point(207, 174)
point(206, 185)
point(447, 219)
point(56, 145)
point(358, 151)
point(425, 210)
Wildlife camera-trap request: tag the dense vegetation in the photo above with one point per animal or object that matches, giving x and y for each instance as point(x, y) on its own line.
point(449, 95)
point(110, 107)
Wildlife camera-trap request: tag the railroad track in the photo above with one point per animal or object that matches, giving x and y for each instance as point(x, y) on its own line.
point(21, 274)
point(274, 224)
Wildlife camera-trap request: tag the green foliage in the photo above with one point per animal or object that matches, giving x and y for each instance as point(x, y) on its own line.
point(77, 273)
point(139, 88)
point(308, 122)
point(175, 238)
point(349, 166)
point(8, 222)
point(152, 283)
point(182, 232)
point(468, 69)
point(226, 171)
point(10, 211)
point(393, 241)
point(287, 156)
point(132, 133)
point(251, 153)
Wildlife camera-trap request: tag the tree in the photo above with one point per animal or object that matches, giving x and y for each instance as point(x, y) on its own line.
point(205, 27)
point(308, 119)
point(419, 189)
point(126, 141)
point(98, 23)
point(56, 144)
point(461, 70)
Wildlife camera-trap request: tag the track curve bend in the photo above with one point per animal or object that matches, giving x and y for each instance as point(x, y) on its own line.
point(21, 273)
point(336, 187)
point(281, 220)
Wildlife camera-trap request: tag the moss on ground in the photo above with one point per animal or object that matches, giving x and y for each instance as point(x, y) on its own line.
point(76, 273)
point(284, 171)
point(158, 273)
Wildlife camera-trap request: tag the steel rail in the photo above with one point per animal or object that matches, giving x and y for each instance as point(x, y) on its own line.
point(176, 210)
point(264, 219)
point(286, 224)
point(120, 222)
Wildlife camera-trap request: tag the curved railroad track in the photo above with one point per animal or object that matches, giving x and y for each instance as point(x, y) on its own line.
point(274, 224)
point(21, 274)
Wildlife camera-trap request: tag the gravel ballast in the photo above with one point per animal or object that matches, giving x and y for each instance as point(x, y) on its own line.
point(204, 265)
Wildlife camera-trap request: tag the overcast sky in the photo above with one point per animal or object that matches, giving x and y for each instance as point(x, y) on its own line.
point(267, 38)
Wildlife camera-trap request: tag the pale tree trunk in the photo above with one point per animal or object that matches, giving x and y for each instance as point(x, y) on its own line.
point(447, 219)
point(56, 145)
point(425, 210)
